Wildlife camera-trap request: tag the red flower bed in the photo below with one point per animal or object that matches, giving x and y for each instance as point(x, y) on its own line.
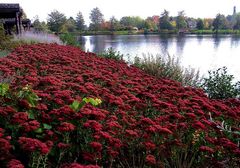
point(142, 120)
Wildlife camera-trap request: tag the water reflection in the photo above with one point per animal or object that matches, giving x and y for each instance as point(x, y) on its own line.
point(217, 40)
point(204, 51)
point(180, 44)
point(163, 44)
point(199, 39)
point(235, 41)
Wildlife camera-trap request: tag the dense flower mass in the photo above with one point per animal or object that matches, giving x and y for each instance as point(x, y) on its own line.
point(15, 164)
point(142, 120)
point(33, 145)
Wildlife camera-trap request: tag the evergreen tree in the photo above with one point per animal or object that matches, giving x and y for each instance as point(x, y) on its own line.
point(164, 21)
point(80, 23)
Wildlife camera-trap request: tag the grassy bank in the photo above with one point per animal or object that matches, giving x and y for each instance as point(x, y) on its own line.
point(86, 33)
point(214, 32)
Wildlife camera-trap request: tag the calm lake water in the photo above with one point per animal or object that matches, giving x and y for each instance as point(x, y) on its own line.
point(203, 52)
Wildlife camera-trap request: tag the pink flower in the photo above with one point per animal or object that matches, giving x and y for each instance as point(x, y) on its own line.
point(206, 149)
point(33, 145)
point(15, 164)
point(96, 146)
point(66, 127)
point(150, 159)
point(198, 125)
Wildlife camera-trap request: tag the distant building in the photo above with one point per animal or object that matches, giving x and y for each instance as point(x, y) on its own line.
point(11, 17)
point(234, 10)
point(192, 23)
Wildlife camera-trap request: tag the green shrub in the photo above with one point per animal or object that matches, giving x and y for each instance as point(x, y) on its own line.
point(168, 67)
point(112, 54)
point(7, 42)
point(69, 39)
point(219, 85)
point(4, 39)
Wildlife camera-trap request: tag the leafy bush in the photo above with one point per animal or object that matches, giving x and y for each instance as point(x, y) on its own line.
point(168, 67)
point(69, 39)
point(5, 40)
point(112, 54)
point(8, 43)
point(219, 85)
point(23, 105)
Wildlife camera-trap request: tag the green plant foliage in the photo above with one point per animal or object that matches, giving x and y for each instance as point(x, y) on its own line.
point(92, 101)
point(7, 43)
point(29, 95)
point(219, 85)
point(168, 67)
point(76, 105)
point(56, 20)
point(112, 54)
point(3, 89)
point(4, 39)
point(69, 39)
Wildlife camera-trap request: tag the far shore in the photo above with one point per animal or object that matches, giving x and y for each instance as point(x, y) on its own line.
point(140, 32)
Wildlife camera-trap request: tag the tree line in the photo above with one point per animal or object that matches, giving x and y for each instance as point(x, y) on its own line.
point(59, 23)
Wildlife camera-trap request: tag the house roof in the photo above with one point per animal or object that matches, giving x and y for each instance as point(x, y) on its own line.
point(9, 6)
point(9, 10)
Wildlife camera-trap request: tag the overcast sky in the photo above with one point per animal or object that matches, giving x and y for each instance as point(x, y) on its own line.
point(119, 8)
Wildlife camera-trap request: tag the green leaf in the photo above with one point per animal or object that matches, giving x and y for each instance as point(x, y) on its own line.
point(237, 132)
point(93, 101)
point(75, 105)
point(86, 100)
point(31, 114)
point(39, 130)
point(46, 126)
point(4, 87)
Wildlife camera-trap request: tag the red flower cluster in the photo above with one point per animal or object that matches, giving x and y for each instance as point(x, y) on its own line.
point(206, 149)
point(150, 159)
point(32, 145)
point(96, 146)
point(76, 165)
point(14, 164)
point(66, 127)
point(139, 113)
point(31, 125)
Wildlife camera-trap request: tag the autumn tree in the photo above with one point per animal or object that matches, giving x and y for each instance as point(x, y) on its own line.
point(150, 24)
